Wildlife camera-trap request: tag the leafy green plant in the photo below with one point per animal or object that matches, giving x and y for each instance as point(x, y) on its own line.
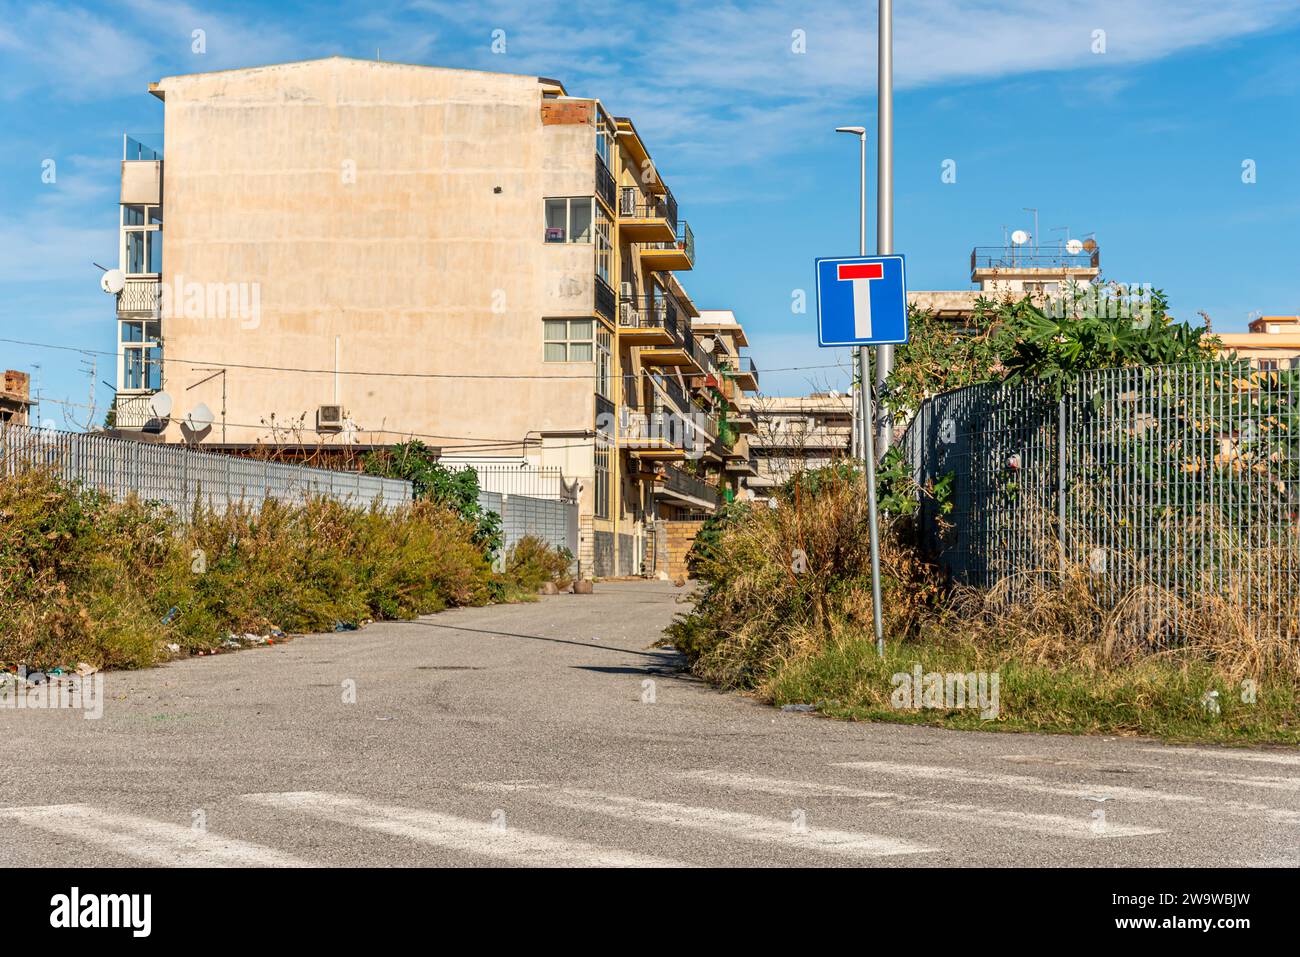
point(432, 481)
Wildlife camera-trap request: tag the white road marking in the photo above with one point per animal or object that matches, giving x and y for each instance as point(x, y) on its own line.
point(735, 825)
point(483, 837)
point(1057, 825)
point(1268, 757)
point(1019, 782)
point(158, 842)
point(783, 788)
point(1091, 792)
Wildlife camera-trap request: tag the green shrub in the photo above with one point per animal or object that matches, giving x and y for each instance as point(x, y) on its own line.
point(83, 578)
point(531, 562)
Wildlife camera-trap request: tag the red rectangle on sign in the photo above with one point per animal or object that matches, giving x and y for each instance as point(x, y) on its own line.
point(861, 271)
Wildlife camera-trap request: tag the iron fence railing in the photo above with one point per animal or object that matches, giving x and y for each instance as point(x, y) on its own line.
point(685, 242)
point(1033, 257)
point(177, 476)
point(651, 311)
point(545, 482)
point(684, 483)
point(605, 187)
point(634, 204)
point(606, 299)
point(1164, 483)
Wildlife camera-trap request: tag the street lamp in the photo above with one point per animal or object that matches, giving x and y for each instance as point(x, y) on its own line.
point(860, 410)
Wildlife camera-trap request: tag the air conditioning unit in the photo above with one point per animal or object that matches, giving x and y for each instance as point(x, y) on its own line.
point(627, 290)
point(629, 314)
point(329, 418)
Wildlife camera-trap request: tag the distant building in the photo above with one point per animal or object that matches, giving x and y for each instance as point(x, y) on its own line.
point(797, 432)
point(15, 398)
point(1273, 342)
point(1012, 271)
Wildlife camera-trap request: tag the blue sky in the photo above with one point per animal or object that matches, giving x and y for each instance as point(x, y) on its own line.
point(1142, 144)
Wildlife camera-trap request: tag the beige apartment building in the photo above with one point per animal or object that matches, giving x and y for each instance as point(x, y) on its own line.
point(794, 433)
point(1273, 343)
point(346, 253)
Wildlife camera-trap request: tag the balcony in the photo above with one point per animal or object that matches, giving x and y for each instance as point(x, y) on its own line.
point(644, 218)
point(606, 300)
point(654, 436)
point(140, 298)
point(605, 187)
point(649, 321)
point(746, 465)
point(686, 489)
point(677, 254)
point(133, 412)
point(744, 373)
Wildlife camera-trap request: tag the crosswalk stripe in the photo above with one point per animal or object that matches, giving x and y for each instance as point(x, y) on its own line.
point(1019, 782)
point(455, 833)
point(157, 842)
point(1266, 757)
point(784, 788)
point(1052, 824)
point(734, 824)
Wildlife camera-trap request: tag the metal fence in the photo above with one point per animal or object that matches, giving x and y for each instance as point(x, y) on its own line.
point(178, 476)
point(1161, 482)
point(553, 521)
point(545, 482)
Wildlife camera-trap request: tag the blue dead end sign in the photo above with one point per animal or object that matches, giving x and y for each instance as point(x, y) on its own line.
point(861, 301)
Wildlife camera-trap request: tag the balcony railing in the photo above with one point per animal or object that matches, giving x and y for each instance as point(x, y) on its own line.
point(745, 366)
point(684, 483)
point(685, 242)
point(133, 411)
point(650, 312)
point(140, 296)
point(605, 187)
point(1033, 257)
point(633, 204)
point(606, 300)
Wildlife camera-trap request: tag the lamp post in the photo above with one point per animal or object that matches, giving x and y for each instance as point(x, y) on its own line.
point(863, 408)
point(885, 193)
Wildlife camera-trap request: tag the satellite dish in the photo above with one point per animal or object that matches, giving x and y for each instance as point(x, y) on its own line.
point(113, 281)
point(160, 404)
point(708, 344)
point(1090, 244)
point(1020, 237)
point(1073, 247)
point(199, 419)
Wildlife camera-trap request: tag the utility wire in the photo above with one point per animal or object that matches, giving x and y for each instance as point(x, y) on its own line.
point(361, 372)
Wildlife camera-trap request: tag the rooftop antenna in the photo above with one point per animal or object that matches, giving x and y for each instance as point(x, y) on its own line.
point(1034, 210)
point(1057, 229)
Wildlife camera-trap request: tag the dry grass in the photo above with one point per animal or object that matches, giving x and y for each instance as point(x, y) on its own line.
point(1083, 658)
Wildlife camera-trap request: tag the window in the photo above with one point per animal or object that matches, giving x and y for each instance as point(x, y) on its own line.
point(601, 491)
point(568, 219)
point(568, 340)
point(604, 248)
point(141, 354)
point(604, 365)
point(141, 251)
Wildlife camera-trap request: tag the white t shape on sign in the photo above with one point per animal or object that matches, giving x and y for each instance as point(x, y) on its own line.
point(861, 275)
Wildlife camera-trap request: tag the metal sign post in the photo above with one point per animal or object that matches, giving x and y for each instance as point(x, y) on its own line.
point(862, 301)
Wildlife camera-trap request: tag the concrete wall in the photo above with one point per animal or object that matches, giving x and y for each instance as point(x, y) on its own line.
point(360, 199)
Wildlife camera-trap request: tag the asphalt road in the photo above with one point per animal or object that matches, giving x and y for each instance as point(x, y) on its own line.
point(552, 734)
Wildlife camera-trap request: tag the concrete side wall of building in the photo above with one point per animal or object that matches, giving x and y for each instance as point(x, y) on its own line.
point(388, 218)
